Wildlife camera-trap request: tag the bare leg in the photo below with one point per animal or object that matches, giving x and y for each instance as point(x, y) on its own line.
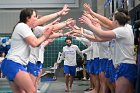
point(123, 85)
point(67, 82)
point(71, 82)
point(23, 82)
point(103, 83)
point(15, 88)
point(131, 89)
point(111, 86)
point(34, 80)
point(91, 82)
point(38, 78)
point(95, 79)
point(84, 73)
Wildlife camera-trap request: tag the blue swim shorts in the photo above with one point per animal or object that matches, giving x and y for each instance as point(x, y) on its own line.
point(10, 69)
point(95, 66)
point(33, 69)
point(70, 70)
point(88, 63)
point(129, 71)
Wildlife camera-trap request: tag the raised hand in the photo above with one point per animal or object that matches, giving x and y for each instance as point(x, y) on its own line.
point(96, 22)
point(70, 21)
point(87, 8)
point(85, 20)
point(48, 31)
point(88, 15)
point(77, 32)
point(56, 21)
point(51, 40)
point(64, 11)
point(55, 35)
point(67, 33)
point(74, 27)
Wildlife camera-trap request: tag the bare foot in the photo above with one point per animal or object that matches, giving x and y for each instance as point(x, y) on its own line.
point(70, 89)
point(66, 90)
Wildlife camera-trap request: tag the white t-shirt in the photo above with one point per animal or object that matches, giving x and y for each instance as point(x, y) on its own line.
point(37, 54)
point(103, 49)
point(69, 55)
point(41, 53)
point(87, 43)
point(95, 50)
point(124, 45)
point(89, 52)
point(38, 31)
point(111, 49)
point(20, 50)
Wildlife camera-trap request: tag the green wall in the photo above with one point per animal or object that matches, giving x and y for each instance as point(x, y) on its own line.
point(51, 51)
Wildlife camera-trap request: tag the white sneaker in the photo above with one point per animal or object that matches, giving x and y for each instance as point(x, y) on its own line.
point(84, 78)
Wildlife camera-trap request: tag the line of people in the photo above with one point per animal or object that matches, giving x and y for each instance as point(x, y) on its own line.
point(23, 63)
point(111, 63)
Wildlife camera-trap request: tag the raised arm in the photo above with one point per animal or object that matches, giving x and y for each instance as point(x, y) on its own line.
point(84, 41)
point(103, 19)
point(89, 35)
point(47, 18)
point(97, 29)
point(47, 42)
point(95, 19)
point(87, 49)
point(63, 24)
point(79, 52)
point(33, 41)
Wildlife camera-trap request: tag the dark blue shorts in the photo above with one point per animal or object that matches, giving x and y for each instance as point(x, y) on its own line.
point(33, 69)
point(10, 69)
point(110, 71)
point(88, 63)
point(95, 66)
point(70, 70)
point(39, 64)
point(129, 71)
point(103, 65)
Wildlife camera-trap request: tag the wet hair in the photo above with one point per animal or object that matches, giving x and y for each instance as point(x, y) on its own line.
point(121, 18)
point(68, 38)
point(26, 13)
